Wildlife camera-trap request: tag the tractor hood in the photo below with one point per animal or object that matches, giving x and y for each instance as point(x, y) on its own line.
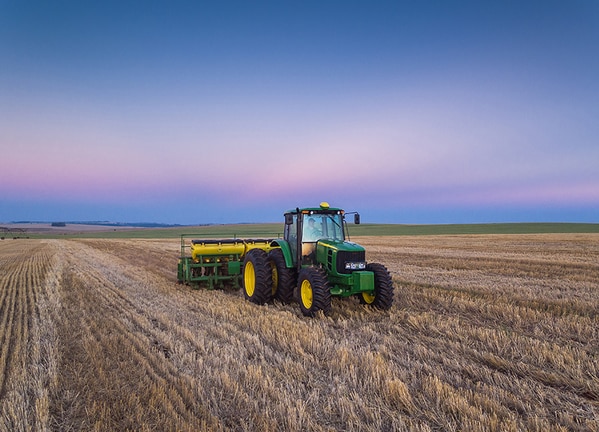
point(338, 245)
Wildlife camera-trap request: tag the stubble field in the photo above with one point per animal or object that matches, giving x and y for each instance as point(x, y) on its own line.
point(488, 332)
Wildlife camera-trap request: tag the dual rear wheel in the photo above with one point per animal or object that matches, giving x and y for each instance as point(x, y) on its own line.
point(266, 277)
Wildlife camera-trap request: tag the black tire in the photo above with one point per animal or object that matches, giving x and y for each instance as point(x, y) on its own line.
point(283, 278)
point(257, 278)
point(313, 292)
point(383, 288)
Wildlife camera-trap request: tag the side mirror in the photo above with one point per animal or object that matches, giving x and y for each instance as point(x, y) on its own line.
point(357, 218)
point(288, 219)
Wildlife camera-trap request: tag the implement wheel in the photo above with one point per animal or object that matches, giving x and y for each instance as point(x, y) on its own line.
point(382, 298)
point(257, 279)
point(313, 291)
point(283, 278)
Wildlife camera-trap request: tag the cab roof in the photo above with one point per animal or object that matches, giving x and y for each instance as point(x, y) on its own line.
point(323, 208)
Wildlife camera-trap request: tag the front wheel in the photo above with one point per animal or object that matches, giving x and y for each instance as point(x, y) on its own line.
point(382, 297)
point(314, 293)
point(257, 278)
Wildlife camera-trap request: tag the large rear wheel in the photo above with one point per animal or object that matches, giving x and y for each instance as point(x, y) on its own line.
point(382, 297)
point(314, 293)
point(283, 278)
point(257, 278)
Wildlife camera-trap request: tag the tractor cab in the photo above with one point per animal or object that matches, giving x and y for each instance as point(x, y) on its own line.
point(304, 228)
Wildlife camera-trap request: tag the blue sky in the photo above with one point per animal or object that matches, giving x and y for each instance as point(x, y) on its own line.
point(221, 112)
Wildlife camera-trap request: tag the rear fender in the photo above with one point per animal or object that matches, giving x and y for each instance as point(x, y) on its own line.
point(286, 249)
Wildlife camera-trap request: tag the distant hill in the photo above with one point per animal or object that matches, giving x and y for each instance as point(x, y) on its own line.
point(101, 223)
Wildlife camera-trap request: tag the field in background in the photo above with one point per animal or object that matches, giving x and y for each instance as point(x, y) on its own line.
point(488, 332)
point(276, 229)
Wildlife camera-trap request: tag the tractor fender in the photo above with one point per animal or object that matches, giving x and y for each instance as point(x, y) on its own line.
point(286, 249)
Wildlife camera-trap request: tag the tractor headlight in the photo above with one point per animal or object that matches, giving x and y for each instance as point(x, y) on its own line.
point(355, 265)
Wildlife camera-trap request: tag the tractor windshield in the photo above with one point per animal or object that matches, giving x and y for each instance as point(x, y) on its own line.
point(319, 226)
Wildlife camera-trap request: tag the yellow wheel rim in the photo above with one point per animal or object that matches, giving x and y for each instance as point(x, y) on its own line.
point(306, 294)
point(368, 297)
point(249, 278)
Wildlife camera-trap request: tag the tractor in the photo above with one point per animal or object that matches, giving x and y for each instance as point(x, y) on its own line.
point(313, 262)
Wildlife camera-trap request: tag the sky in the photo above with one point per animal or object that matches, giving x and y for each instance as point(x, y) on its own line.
point(189, 112)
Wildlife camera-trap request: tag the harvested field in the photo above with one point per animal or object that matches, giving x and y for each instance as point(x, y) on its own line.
point(488, 332)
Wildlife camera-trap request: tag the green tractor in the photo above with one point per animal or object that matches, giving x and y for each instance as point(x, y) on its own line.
point(314, 261)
